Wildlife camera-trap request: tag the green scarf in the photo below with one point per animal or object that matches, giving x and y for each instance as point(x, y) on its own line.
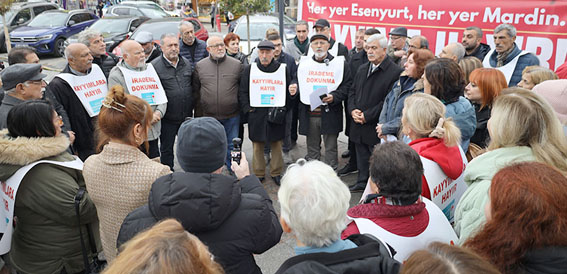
point(301, 47)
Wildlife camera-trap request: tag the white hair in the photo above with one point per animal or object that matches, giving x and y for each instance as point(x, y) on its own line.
point(380, 38)
point(458, 50)
point(214, 35)
point(87, 35)
point(314, 202)
point(67, 54)
point(511, 30)
point(167, 35)
point(186, 23)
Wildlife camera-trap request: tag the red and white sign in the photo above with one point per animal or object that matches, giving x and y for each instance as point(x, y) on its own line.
point(267, 89)
point(90, 89)
point(145, 85)
point(540, 23)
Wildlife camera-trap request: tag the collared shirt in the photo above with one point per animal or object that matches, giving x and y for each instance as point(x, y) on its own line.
point(373, 68)
point(171, 63)
point(79, 73)
point(337, 246)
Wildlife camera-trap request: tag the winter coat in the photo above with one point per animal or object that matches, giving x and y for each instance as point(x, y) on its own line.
point(356, 60)
point(200, 51)
point(469, 214)
point(367, 94)
point(371, 256)
point(292, 50)
point(545, 260)
point(481, 136)
point(235, 219)
point(391, 114)
point(46, 235)
point(524, 61)
point(80, 121)
point(106, 62)
point(332, 120)
point(480, 52)
point(240, 57)
point(119, 180)
point(448, 158)
point(215, 87)
point(117, 78)
point(7, 104)
point(259, 129)
point(156, 52)
point(176, 82)
point(464, 116)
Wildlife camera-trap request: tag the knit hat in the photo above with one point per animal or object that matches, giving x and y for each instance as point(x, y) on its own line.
point(201, 145)
point(555, 93)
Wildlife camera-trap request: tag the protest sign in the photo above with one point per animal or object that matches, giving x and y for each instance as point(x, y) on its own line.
point(90, 89)
point(312, 75)
point(267, 89)
point(145, 84)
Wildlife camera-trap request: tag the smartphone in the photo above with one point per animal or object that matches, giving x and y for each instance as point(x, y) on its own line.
point(322, 96)
point(236, 153)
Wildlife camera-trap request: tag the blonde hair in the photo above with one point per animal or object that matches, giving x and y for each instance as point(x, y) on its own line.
point(425, 115)
point(166, 248)
point(522, 118)
point(539, 74)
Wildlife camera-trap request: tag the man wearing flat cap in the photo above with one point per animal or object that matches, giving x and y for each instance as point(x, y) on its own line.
point(21, 82)
point(266, 89)
point(398, 46)
point(151, 49)
point(329, 77)
point(322, 26)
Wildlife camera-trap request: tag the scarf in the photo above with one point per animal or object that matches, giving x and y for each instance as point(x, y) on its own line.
point(501, 57)
point(301, 47)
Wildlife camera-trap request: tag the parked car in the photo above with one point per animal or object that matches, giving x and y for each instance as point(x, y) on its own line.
point(48, 31)
point(113, 29)
point(20, 14)
point(137, 8)
point(259, 23)
point(158, 27)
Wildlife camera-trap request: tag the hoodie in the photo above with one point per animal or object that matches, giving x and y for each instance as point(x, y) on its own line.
point(448, 158)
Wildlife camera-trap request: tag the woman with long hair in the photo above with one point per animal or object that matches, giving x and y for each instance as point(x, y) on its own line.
point(444, 79)
point(409, 83)
point(526, 220)
point(436, 139)
point(533, 75)
point(119, 178)
point(165, 248)
point(485, 84)
point(468, 65)
point(522, 128)
point(46, 234)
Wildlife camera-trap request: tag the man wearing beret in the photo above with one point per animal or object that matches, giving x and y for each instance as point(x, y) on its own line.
point(21, 82)
point(332, 73)
point(260, 129)
point(322, 26)
point(398, 46)
point(151, 49)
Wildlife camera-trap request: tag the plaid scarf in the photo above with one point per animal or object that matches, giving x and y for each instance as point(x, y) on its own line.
point(501, 57)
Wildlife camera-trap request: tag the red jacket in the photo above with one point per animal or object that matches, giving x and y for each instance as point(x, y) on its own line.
point(448, 158)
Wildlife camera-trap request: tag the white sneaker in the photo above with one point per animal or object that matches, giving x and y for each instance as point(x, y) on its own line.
point(267, 158)
point(287, 158)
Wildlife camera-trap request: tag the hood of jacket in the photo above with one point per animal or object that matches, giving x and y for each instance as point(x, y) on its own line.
point(486, 165)
point(552, 259)
point(20, 151)
point(448, 158)
point(200, 201)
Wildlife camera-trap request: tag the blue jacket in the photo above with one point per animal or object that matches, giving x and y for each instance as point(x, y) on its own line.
point(200, 51)
point(464, 116)
point(524, 61)
point(391, 115)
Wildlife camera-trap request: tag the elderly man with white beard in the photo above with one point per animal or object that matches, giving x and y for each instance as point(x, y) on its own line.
point(332, 73)
point(125, 74)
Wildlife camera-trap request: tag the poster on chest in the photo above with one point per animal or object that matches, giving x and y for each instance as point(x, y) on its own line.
point(540, 24)
point(90, 89)
point(267, 89)
point(145, 85)
point(312, 76)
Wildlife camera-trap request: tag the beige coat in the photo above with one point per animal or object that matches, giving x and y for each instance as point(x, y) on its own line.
point(119, 180)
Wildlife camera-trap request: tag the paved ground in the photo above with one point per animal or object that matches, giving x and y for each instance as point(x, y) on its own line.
point(270, 260)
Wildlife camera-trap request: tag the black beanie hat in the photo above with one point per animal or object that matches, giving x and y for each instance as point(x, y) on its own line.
point(201, 145)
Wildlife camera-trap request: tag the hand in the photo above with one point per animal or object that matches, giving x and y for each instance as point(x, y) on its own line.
point(328, 99)
point(241, 170)
point(292, 89)
point(156, 117)
point(362, 120)
point(399, 53)
point(71, 136)
point(379, 130)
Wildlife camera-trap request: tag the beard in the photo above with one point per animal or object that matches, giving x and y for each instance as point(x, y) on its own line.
point(141, 63)
point(319, 54)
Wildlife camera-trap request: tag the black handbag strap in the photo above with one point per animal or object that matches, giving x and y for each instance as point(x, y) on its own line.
point(78, 198)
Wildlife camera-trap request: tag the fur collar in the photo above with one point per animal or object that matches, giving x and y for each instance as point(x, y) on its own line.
point(22, 150)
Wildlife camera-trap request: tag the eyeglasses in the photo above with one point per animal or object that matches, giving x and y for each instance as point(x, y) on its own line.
point(219, 45)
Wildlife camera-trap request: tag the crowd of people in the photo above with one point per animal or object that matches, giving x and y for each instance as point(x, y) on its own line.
point(461, 158)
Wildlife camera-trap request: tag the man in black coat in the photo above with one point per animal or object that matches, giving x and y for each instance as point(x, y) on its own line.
point(260, 129)
point(151, 49)
point(372, 82)
point(175, 75)
point(327, 119)
point(95, 42)
point(235, 218)
point(322, 26)
point(472, 41)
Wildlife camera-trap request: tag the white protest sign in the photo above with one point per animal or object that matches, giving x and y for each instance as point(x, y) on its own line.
point(145, 85)
point(8, 194)
point(90, 89)
point(267, 89)
point(445, 192)
point(312, 75)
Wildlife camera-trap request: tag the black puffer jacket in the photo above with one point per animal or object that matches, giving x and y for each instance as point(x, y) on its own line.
point(371, 256)
point(106, 62)
point(547, 260)
point(176, 82)
point(234, 219)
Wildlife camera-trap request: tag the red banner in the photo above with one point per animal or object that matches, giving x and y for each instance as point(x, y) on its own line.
point(540, 24)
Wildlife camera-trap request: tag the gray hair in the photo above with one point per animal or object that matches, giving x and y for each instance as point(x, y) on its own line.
point(423, 43)
point(67, 54)
point(302, 22)
point(186, 23)
point(167, 35)
point(10, 91)
point(458, 50)
point(477, 30)
point(314, 202)
point(213, 35)
point(511, 30)
point(380, 38)
point(85, 36)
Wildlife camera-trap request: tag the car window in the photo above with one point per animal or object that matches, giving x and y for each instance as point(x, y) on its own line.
point(135, 24)
point(110, 25)
point(153, 12)
point(22, 17)
point(77, 18)
point(257, 31)
point(50, 7)
point(39, 9)
point(49, 19)
point(196, 25)
point(121, 11)
point(157, 29)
